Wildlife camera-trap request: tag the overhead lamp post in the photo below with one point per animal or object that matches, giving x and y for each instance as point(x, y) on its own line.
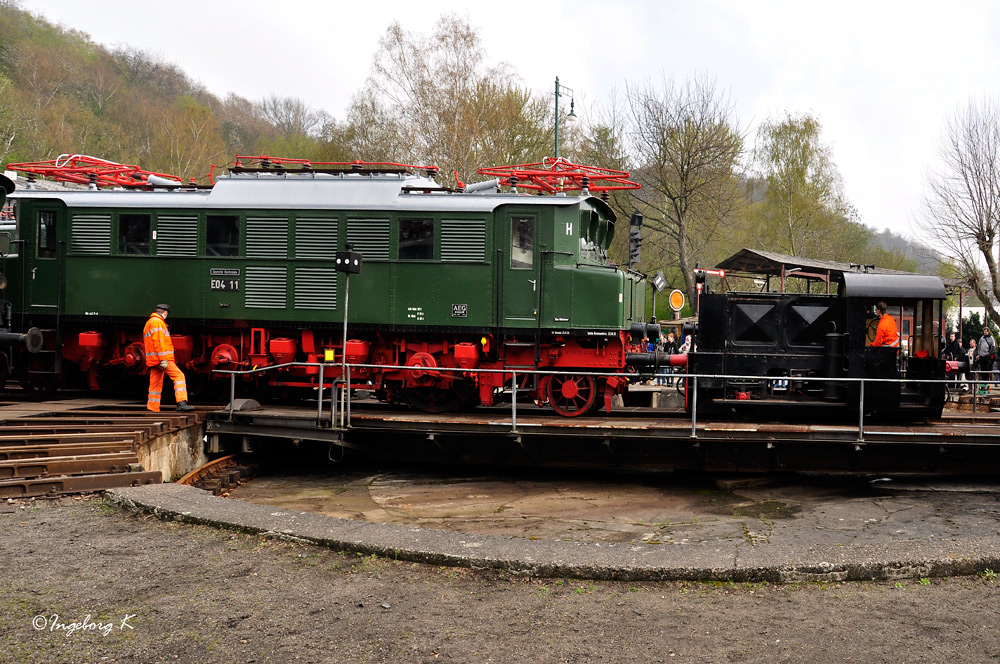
point(561, 90)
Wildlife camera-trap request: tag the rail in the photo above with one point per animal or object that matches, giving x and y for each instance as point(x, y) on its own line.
point(340, 402)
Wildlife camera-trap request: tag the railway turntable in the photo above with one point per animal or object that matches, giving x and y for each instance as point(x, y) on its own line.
point(635, 438)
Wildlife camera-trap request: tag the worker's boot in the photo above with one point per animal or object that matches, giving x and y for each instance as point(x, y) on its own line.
point(184, 406)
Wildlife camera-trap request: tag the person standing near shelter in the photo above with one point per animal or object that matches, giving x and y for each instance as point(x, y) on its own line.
point(886, 334)
point(986, 351)
point(160, 360)
point(668, 344)
point(954, 351)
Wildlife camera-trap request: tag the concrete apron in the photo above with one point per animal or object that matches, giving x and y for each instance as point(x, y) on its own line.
point(585, 529)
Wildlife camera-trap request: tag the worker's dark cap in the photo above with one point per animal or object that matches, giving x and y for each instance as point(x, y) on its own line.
point(164, 307)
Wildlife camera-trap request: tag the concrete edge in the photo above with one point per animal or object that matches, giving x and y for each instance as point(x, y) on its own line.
point(533, 558)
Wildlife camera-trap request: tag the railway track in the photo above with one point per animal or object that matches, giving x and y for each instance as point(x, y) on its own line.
point(219, 476)
point(75, 446)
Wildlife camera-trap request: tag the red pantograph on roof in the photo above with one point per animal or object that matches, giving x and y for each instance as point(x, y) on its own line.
point(84, 169)
point(556, 175)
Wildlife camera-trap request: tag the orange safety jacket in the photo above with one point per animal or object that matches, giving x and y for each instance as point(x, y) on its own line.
point(886, 334)
point(156, 338)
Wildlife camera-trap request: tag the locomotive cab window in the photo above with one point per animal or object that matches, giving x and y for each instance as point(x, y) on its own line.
point(222, 235)
point(416, 239)
point(522, 244)
point(47, 234)
point(133, 234)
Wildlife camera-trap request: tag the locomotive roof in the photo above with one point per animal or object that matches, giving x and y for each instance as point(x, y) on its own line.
point(318, 191)
point(892, 286)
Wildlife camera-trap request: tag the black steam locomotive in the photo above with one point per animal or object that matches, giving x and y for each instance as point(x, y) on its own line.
point(770, 353)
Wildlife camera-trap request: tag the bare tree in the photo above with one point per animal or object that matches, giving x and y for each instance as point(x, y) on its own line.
point(243, 129)
point(961, 209)
point(433, 99)
point(687, 149)
point(603, 144)
point(134, 65)
point(291, 116)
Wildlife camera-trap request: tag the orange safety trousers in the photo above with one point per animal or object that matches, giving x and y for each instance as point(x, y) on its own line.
point(156, 385)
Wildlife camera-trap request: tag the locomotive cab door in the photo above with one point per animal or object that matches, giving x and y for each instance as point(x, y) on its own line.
point(519, 266)
point(42, 258)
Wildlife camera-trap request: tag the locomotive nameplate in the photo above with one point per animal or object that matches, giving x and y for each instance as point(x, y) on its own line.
point(459, 310)
point(224, 284)
point(231, 283)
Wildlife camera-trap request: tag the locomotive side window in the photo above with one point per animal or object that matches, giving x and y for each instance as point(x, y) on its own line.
point(133, 234)
point(47, 234)
point(754, 323)
point(416, 239)
point(222, 235)
point(806, 324)
point(522, 244)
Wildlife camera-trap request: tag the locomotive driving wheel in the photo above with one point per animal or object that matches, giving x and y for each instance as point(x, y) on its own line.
point(571, 395)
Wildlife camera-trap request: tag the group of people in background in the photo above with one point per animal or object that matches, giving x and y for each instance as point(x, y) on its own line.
point(667, 343)
point(981, 356)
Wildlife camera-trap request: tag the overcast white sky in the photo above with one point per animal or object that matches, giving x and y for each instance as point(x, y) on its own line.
point(882, 77)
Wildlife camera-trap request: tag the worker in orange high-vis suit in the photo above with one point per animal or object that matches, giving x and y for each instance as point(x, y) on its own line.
point(886, 334)
point(160, 360)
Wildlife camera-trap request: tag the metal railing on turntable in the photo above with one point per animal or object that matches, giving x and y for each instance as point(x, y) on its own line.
point(340, 388)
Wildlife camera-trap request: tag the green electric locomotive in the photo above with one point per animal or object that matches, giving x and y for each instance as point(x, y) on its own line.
point(453, 281)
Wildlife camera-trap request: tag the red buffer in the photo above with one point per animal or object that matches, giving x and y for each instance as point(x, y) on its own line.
point(84, 169)
point(557, 175)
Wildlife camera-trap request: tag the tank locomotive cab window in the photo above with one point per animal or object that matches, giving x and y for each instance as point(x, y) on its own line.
point(222, 235)
point(47, 234)
point(133, 234)
point(416, 239)
point(754, 323)
point(522, 244)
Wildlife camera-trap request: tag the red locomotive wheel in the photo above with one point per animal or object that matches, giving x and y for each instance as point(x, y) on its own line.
point(571, 395)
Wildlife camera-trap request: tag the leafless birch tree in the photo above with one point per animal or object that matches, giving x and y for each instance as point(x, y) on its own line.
point(687, 148)
point(961, 208)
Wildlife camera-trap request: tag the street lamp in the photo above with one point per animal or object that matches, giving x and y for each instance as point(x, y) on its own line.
point(561, 90)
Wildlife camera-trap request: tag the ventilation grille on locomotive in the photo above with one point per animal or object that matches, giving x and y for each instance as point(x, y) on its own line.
point(463, 240)
point(370, 238)
point(315, 288)
point(267, 237)
point(176, 236)
point(315, 238)
point(91, 234)
point(266, 287)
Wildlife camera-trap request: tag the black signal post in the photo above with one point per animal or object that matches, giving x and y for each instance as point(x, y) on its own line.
point(634, 239)
point(348, 262)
